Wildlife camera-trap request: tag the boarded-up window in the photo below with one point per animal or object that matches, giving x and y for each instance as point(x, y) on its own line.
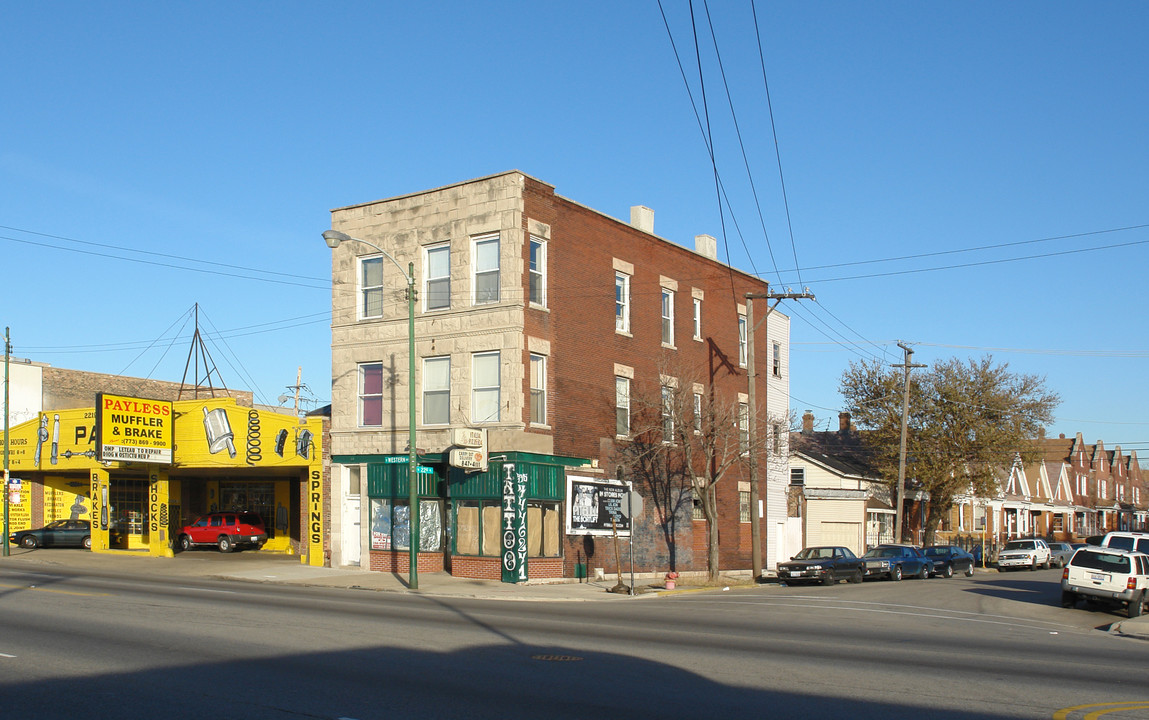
point(467, 529)
point(492, 529)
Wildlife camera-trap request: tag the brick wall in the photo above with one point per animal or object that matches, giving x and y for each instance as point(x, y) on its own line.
point(64, 389)
point(399, 561)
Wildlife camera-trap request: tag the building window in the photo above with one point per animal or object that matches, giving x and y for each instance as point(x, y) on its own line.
point(370, 287)
point(1058, 523)
point(744, 506)
point(777, 440)
point(538, 272)
point(478, 528)
point(538, 389)
point(797, 476)
point(437, 391)
point(697, 319)
point(485, 387)
point(486, 270)
point(979, 517)
point(697, 512)
point(744, 428)
point(621, 302)
point(371, 395)
point(437, 261)
point(776, 359)
point(391, 525)
point(622, 406)
point(667, 317)
point(1101, 489)
point(741, 341)
point(698, 413)
point(667, 414)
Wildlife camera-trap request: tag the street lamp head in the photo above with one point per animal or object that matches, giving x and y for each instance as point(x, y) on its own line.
point(334, 237)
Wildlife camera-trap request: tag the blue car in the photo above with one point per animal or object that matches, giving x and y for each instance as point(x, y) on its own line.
point(896, 562)
point(950, 559)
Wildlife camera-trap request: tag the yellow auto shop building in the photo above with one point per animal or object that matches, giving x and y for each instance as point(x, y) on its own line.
point(140, 469)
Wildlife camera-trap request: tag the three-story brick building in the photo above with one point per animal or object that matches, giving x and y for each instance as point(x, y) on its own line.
point(540, 321)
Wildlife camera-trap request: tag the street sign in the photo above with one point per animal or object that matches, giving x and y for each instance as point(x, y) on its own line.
point(634, 504)
point(424, 470)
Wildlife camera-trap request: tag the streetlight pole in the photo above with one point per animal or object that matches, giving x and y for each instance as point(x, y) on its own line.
point(7, 412)
point(752, 373)
point(333, 238)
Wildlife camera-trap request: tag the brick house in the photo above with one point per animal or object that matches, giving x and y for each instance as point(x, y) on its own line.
point(540, 321)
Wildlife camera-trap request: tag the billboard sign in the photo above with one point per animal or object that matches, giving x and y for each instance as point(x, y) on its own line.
point(597, 507)
point(131, 429)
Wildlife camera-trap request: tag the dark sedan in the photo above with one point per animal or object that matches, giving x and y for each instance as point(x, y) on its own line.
point(896, 562)
point(949, 559)
point(825, 564)
point(61, 533)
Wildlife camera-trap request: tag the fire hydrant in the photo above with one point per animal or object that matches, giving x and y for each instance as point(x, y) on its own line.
point(669, 579)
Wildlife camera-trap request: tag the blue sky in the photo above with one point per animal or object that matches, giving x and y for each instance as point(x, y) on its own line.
point(158, 155)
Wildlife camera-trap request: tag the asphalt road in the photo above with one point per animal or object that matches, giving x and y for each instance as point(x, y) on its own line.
point(992, 646)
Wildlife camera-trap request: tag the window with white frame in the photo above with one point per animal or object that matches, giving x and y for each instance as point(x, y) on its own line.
point(744, 428)
point(621, 302)
point(486, 264)
point(437, 292)
point(697, 318)
point(741, 341)
point(437, 391)
point(667, 317)
point(776, 359)
point(744, 506)
point(1101, 489)
point(370, 287)
point(667, 414)
point(485, 387)
point(538, 389)
point(371, 395)
point(697, 413)
point(538, 272)
point(621, 406)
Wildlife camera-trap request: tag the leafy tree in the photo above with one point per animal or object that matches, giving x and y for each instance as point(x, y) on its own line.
point(966, 420)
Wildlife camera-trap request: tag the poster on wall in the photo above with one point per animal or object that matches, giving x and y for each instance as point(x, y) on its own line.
point(596, 507)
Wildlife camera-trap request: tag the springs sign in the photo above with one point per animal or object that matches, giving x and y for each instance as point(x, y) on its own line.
point(514, 549)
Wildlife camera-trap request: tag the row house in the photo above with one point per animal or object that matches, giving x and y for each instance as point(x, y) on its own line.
point(541, 323)
point(1073, 491)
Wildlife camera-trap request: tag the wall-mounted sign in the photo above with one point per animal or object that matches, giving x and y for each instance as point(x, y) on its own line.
point(597, 507)
point(514, 525)
point(130, 429)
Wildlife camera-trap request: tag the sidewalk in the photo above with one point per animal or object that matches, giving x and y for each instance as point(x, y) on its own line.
point(288, 570)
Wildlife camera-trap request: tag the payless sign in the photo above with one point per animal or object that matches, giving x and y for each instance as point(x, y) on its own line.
point(130, 429)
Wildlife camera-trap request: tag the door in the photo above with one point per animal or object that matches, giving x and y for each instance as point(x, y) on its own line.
point(350, 534)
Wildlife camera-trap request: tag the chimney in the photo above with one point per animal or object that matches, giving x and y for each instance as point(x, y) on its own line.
point(706, 245)
point(642, 217)
point(808, 423)
point(844, 422)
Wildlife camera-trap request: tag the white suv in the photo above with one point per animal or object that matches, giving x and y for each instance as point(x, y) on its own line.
point(1024, 554)
point(1127, 540)
point(1108, 575)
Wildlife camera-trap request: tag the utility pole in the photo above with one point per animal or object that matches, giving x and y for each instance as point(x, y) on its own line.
point(900, 490)
point(751, 371)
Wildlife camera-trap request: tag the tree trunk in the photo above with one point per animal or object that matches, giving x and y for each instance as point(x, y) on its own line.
point(712, 535)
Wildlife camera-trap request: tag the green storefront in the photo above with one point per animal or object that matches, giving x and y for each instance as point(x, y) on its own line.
point(472, 524)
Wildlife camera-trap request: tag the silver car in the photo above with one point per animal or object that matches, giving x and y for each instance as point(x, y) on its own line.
point(1059, 553)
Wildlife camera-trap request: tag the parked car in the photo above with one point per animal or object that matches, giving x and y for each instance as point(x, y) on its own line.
point(825, 564)
point(1127, 540)
point(1060, 553)
point(1024, 554)
point(1108, 575)
point(948, 559)
point(60, 533)
point(896, 561)
point(225, 530)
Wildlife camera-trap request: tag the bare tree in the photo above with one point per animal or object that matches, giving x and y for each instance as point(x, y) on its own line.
point(685, 438)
